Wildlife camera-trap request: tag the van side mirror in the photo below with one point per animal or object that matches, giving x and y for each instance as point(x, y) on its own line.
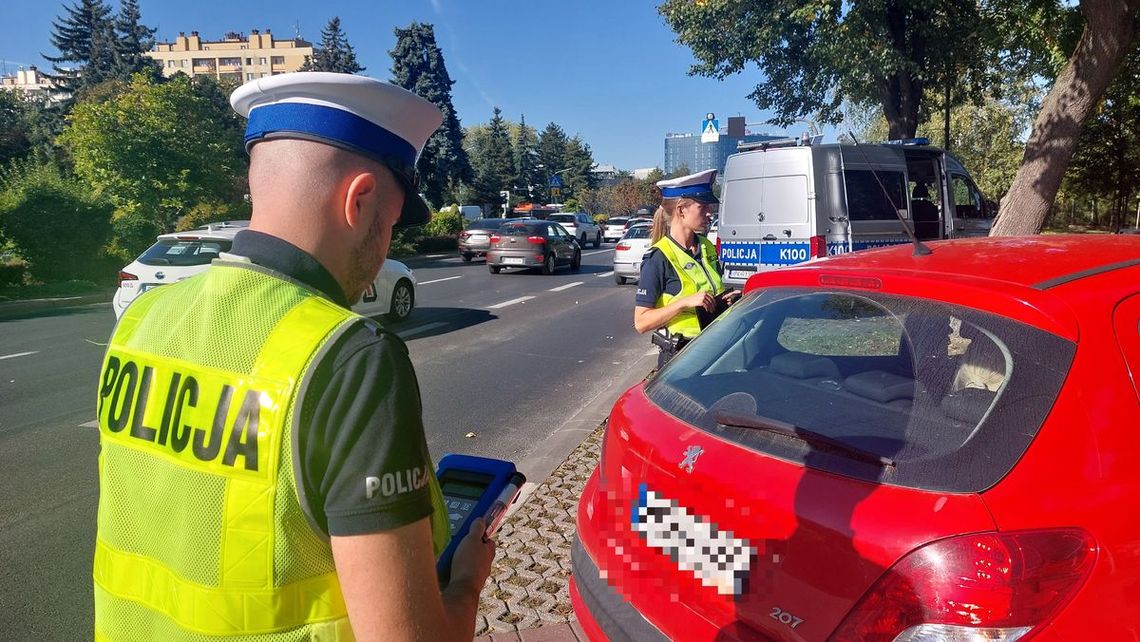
point(990, 208)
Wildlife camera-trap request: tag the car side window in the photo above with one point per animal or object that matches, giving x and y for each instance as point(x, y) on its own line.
point(552, 231)
point(967, 199)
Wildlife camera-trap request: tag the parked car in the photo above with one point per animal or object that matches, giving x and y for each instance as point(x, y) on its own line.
point(580, 226)
point(530, 243)
point(880, 447)
point(180, 255)
point(475, 240)
point(629, 252)
point(638, 220)
point(614, 228)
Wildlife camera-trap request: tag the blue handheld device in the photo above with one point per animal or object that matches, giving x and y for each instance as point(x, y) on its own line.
point(470, 487)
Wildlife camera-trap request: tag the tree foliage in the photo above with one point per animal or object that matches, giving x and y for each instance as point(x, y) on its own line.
point(418, 66)
point(495, 166)
point(154, 150)
point(132, 40)
point(57, 224)
point(85, 39)
point(335, 53)
point(527, 175)
point(14, 135)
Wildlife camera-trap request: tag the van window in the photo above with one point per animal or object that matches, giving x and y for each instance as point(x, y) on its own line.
point(865, 198)
point(967, 199)
point(950, 396)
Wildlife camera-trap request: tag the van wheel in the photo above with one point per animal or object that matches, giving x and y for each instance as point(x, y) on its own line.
point(598, 241)
point(620, 280)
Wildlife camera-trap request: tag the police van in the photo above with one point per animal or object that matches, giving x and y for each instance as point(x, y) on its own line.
point(786, 202)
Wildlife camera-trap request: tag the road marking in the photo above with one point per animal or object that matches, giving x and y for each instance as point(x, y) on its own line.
point(565, 287)
point(18, 354)
point(597, 252)
point(610, 273)
point(94, 423)
point(420, 329)
point(435, 256)
point(440, 280)
point(511, 302)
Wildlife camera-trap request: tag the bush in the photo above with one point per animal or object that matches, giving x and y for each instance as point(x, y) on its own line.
point(437, 244)
point(601, 219)
point(444, 223)
point(56, 223)
point(212, 212)
point(12, 272)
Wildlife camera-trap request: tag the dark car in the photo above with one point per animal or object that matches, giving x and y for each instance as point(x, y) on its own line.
point(528, 244)
point(475, 240)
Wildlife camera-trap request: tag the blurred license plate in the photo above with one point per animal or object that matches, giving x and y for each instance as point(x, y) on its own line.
point(513, 261)
point(740, 274)
point(147, 286)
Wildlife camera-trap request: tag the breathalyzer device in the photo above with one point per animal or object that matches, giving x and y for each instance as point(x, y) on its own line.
point(474, 487)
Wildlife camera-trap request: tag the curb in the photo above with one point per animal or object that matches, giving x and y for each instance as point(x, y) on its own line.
point(20, 309)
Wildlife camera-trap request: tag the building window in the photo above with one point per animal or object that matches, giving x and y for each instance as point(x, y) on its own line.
point(230, 62)
point(249, 61)
point(278, 60)
point(249, 76)
point(183, 62)
point(261, 61)
point(171, 63)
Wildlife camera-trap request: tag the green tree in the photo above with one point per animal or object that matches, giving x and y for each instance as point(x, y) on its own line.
point(552, 156)
point(815, 55)
point(14, 139)
point(579, 160)
point(132, 40)
point(85, 39)
point(58, 225)
point(418, 66)
point(335, 53)
point(155, 151)
point(495, 167)
point(527, 175)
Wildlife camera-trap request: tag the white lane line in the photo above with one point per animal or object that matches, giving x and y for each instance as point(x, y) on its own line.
point(18, 354)
point(511, 302)
point(610, 273)
point(440, 280)
point(420, 329)
point(436, 256)
point(94, 423)
point(597, 252)
point(566, 287)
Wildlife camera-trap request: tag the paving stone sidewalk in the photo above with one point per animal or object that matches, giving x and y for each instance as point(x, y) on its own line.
point(529, 583)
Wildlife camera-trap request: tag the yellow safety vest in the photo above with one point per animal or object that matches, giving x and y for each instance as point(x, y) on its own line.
point(201, 534)
point(695, 274)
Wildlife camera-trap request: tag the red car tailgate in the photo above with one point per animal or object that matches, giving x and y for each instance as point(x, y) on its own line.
point(766, 547)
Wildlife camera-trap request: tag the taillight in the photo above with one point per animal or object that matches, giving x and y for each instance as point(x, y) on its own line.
point(463, 236)
point(818, 247)
point(535, 240)
point(621, 247)
point(495, 238)
point(126, 276)
point(986, 586)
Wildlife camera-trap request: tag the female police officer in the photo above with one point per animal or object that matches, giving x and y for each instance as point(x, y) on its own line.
point(680, 289)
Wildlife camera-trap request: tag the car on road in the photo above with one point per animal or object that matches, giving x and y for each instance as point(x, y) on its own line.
point(628, 253)
point(475, 240)
point(580, 226)
point(638, 220)
point(614, 228)
point(883, 446)
point(545, 245)
point(180, 255)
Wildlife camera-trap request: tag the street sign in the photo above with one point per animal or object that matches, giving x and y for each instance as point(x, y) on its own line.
point(710, 129)
point(556, 181)
point(555, 193)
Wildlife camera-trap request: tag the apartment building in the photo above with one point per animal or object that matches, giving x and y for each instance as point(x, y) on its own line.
point(235, 57)
point(32, 82)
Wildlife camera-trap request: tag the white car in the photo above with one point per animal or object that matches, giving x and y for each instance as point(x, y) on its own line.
point(614, 228)
point(629, 251)
point(580, 226)
point(179, 255)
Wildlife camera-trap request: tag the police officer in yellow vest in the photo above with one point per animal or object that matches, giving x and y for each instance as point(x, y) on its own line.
point(679, 290)
point(264, 473)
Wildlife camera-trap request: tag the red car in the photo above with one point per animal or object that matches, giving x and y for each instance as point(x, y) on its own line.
point(884, 447)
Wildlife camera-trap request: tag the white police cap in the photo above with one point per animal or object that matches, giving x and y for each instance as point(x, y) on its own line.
point(695, 186)
point(365, 116)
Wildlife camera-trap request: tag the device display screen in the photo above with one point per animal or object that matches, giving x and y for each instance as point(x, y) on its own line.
point(461, 496)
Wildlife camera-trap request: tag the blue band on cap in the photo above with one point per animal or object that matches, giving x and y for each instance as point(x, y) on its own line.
point(690, 190)
point(332, 124)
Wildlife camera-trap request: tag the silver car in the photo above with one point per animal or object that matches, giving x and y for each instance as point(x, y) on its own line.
point(476, 239)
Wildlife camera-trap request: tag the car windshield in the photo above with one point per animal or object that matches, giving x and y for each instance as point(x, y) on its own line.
point(562, 218)
point(638, 232)
point(517, 229)
point(949, 396)
point(184, 252)
point(486, 224)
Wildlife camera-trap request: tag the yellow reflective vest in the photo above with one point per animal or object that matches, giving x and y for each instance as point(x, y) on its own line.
point(201, 534)
point(696, 274)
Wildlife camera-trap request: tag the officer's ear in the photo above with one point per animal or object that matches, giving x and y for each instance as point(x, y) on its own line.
point(359, 200)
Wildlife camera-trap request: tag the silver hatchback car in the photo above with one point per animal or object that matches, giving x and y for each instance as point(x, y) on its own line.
point(476, 239)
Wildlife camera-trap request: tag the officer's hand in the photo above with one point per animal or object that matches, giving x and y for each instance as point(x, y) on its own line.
point(471, 563)
point(730, 296)
point(701, 299)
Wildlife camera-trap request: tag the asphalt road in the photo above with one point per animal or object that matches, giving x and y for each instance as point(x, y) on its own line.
point(509, 357)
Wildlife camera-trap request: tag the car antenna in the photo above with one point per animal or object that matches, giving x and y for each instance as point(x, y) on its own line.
point(919, 248)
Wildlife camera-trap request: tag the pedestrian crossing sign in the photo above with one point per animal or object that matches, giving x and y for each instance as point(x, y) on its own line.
point(710, 129)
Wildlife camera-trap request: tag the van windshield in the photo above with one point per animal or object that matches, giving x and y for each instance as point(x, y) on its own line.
point(950, 396)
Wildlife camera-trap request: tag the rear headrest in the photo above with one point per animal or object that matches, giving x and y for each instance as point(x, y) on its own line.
point(920, 191)
point(800, 365)
point(883, 387)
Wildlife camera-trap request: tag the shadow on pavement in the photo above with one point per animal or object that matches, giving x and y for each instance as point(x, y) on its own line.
point(433, 322)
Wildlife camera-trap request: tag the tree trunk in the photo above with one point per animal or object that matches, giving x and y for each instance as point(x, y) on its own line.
point(1110, 29)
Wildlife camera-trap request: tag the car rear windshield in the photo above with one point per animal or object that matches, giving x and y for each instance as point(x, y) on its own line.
point(639, 232)
point(184, 252)
point(890, 389)
point(486, 224)
point(562, 218)
point(518, 229)
point(617, 220)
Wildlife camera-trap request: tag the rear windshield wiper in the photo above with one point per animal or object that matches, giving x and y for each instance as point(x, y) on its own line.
point(766, 424)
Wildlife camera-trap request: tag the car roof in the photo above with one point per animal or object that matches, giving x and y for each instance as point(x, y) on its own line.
point(1016, 277)
point(225, 230)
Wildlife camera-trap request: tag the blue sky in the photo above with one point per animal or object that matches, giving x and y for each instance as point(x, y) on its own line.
point(608, 71)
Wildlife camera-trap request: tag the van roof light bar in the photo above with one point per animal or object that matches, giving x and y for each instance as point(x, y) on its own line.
point(801, 141)
point(907, 141)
